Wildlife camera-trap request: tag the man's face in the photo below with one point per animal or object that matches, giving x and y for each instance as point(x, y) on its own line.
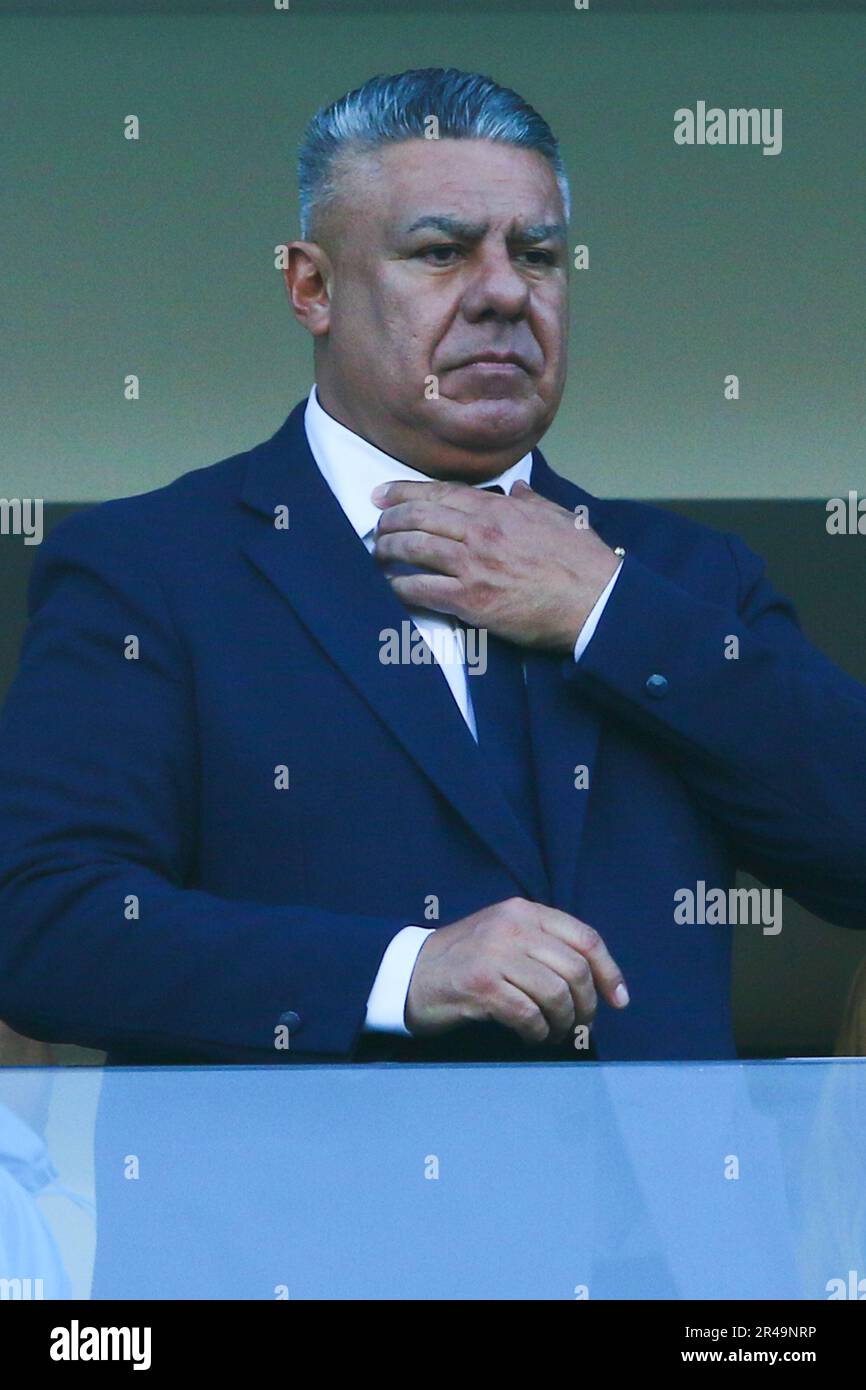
point(445, 260)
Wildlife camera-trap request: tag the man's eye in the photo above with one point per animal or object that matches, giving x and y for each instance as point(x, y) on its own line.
point(440, 254)
point(535, 257)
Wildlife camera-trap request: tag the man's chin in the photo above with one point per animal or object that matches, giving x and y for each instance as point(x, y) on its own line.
point(488, 424)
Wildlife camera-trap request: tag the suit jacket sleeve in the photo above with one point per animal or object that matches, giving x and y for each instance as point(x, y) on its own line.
point(102, 940)
point(771, 744)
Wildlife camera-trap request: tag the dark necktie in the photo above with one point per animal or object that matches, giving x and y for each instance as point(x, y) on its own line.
point(501, 709)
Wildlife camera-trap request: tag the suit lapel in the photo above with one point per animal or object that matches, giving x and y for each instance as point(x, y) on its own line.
point(564, 726)
point(322, 568)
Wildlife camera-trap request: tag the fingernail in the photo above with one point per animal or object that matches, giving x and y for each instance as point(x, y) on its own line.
point(620, 996)
point(379, 493)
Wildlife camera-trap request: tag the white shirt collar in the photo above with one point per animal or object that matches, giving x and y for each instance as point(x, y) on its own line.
point(351, 466)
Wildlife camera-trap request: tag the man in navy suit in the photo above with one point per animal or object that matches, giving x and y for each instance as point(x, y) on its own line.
point(381, 739)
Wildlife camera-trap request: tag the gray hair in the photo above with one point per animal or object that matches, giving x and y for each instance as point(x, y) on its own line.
point(388, 109)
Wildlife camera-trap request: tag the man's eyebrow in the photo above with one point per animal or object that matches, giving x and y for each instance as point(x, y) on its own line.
point(441, 222)
point(474, 231)
point(542, 231)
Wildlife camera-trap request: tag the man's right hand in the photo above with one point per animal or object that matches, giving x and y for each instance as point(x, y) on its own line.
point(529, 967)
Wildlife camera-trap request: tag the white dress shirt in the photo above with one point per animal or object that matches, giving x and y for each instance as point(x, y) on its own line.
point(352, 467)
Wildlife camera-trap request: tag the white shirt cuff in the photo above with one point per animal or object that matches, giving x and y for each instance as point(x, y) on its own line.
point(387, 998)
point(592, 621)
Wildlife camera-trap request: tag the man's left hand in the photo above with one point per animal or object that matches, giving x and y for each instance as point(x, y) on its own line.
point(517, 565)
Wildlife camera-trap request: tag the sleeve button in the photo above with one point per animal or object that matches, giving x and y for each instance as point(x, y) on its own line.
point(657, 686)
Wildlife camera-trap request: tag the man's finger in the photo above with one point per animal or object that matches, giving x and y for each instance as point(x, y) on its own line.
point(574, 969)
point(548, 989)
point(438, 592)
point(423, 516)
point(516, 1010)
point(581, 937)
point(419, 548)
point(524, 493)
point(461, 496)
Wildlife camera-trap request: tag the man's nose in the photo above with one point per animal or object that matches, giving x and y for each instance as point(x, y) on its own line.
point(496, 289)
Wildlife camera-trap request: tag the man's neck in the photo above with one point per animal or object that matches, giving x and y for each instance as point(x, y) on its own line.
point(439, 464)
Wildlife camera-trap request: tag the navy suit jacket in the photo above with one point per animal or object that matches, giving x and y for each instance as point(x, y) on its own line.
point(163, 898)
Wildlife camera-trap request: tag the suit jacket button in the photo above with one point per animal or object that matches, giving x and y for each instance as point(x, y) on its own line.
point(290, 1020)
point(657, 686)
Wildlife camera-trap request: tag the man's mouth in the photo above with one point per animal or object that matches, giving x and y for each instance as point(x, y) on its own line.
point(496, 361)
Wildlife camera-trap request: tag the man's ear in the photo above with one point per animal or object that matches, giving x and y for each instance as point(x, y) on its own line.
point(308, 275)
